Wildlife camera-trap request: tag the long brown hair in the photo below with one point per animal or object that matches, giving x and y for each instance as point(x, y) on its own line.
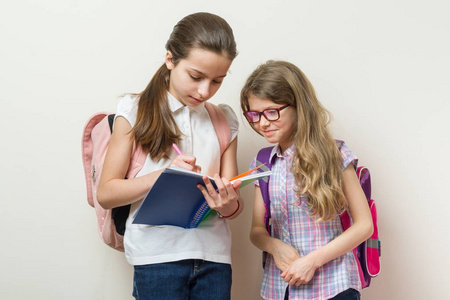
point(155, 129)
point(317, 163)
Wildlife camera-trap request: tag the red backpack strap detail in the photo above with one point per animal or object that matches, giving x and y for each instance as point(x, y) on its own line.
point(372, 247)
point(221, 126)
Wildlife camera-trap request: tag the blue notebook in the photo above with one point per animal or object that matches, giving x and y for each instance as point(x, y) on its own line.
point(175, 199)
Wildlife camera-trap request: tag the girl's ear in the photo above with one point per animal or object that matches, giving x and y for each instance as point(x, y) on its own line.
point(169, 63)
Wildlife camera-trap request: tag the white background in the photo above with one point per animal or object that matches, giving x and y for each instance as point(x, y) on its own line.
point(381, 68)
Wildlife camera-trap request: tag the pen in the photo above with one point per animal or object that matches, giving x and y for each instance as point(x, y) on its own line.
point(246, 173)
point(177, 149)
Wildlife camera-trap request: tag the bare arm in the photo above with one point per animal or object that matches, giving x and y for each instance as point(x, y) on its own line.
point(226, 200)
point(284, 254)
point(303, 269)
point(114, 190)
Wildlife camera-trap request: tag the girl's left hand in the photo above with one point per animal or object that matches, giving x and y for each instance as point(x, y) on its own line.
point(300, 271)
point(225, 198)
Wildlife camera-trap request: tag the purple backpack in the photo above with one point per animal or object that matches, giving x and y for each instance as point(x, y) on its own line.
point(367, 254)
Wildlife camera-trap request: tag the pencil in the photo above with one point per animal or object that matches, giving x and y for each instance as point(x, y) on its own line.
point(177, 149)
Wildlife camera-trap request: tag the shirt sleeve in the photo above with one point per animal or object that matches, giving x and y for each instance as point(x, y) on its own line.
point(232, 120)
point(348, 157)
point(127, 108)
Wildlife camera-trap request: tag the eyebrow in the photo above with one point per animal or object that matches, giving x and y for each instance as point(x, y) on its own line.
point(195, 70)
point(263, 109)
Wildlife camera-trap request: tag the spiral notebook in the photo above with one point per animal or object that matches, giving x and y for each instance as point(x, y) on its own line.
point(175, 199)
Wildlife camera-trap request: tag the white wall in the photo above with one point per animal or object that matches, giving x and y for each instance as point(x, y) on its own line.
point(381, 67)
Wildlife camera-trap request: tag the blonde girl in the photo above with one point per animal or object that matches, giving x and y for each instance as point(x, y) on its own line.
point(172, 262)
point(313, 181)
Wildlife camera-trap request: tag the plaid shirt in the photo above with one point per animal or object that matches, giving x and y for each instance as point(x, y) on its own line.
point(292, 225)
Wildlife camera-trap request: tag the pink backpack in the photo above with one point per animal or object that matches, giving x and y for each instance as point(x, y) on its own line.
point(367, 254)
point(95, 141)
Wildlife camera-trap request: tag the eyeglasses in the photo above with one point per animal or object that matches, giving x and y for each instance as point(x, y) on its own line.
point(271, 114)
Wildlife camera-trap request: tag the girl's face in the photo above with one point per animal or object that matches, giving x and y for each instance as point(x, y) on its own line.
point(197, 78)
point(279, 131)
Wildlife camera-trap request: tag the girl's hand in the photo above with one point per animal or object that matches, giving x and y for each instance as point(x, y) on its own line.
point(284, 255)
point(225, 198)
point(186, 162)
point(300, 271)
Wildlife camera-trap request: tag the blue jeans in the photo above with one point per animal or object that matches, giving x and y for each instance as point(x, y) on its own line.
point(350, 294)
point(186, 279)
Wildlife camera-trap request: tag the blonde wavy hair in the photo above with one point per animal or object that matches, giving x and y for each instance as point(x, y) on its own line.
point(317, 164)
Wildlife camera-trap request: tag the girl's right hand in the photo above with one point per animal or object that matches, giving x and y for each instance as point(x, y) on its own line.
point(284, 255)
point(186, 162)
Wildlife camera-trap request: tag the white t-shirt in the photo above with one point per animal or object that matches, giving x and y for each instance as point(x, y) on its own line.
point(211, 240)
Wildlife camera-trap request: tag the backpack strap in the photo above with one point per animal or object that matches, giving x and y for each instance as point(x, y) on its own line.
point(221, 126)
point(138, 156)
point(263, 158)
point(364, 179)
point(339, 143)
